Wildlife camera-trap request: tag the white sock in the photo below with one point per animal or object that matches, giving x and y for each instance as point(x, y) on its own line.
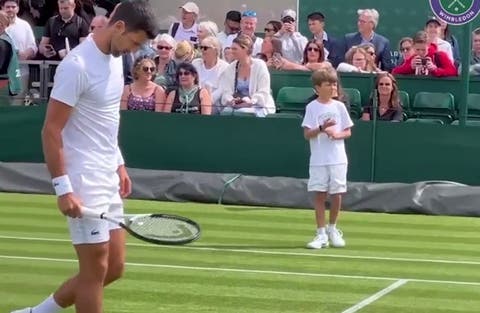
point(321, 231)
point(332, 226)
point(47, 306)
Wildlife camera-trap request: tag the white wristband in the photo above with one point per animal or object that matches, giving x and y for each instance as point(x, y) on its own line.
point(62, 185)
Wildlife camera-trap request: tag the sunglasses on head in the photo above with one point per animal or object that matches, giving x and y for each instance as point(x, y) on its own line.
point(164, 47)
point(204, 48)
point(249, 13)
point(313, 49)
point(147, 69)
point(184, 73)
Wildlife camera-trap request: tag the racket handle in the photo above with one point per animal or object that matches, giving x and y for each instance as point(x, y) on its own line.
point(89, 213)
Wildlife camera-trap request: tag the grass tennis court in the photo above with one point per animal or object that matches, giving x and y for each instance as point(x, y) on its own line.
point(253, 260)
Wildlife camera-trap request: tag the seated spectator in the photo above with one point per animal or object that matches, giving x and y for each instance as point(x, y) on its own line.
point(313, 59)
point(248, 25)
point(245, 83)
point(272, 28)
point(389, 107)
point(433, 29)
point(59, 27)
point(231, 26)
point(210, 67)
point(293, 43)
point(333, 48)
point(358, 60)
point(98, 22)
point(446, 35)
point(228, 55)
point(184, 52)
point(205, 29)
point(166, 75)
point(406, 49)
point(367, 23)
point(187, 28)
point(426, 60)
point(143, 94)
point(475, 58)
point(9, 68)
point(188, 98)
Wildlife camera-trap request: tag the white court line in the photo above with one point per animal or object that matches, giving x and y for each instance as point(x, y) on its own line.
point(323, 255)
point(253, 271)
point(376, 296)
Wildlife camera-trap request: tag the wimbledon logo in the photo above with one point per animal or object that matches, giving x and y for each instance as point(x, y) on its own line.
point(456, 12)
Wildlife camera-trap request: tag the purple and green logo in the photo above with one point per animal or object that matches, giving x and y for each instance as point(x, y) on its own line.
point(456, 12)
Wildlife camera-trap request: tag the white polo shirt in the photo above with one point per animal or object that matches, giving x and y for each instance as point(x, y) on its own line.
point(92, 83)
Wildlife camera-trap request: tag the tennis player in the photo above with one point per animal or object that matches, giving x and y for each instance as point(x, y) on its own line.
point(82, 154)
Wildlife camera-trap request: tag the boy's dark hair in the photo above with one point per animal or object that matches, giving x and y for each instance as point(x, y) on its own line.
point(2, 2)
point(235, 16)
point(138, 15)
point(316, 16)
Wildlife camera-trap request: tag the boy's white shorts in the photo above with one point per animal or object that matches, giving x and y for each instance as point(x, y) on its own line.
point(328, 178)
point(98, 191)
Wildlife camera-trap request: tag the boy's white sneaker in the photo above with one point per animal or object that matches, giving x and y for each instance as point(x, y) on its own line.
point(26, 310)
point(319, 242)
point(336, 237)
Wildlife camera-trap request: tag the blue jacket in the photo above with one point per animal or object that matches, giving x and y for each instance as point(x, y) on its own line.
point(382, 48)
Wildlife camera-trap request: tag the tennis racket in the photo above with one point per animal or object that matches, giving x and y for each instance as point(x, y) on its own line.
point(164, 229)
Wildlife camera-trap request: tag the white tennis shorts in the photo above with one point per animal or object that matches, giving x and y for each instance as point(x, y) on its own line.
point(328, 178)
point(98, 191)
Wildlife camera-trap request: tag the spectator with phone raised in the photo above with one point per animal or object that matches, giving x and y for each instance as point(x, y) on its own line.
point(427, 60)
point(293, 43)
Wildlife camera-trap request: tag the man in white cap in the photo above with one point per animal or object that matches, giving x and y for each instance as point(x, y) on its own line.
point(187, 28)
point(293, 43)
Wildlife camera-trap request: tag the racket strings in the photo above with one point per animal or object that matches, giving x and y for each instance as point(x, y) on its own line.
point(162, 228)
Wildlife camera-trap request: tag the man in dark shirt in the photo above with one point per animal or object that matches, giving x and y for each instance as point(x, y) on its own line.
point(65, 25)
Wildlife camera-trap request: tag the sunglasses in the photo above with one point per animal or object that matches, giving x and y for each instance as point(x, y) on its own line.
point(371, 53)
point(313, 49)
point(204, 48)
point(384, 84)
point(269, 30)
point(249, 13)
point(184, 73)
point(147, 69)
point(164, 48)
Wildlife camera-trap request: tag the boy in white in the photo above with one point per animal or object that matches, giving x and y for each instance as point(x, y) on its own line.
point(326, 124)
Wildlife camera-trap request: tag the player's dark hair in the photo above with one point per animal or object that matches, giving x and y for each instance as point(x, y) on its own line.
point(137, 15)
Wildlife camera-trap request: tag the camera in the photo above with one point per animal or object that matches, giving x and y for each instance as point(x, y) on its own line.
point(424, 61)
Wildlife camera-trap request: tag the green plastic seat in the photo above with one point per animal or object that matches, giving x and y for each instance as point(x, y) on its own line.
point(293, 99)
point(426, 121)
point(434, 105)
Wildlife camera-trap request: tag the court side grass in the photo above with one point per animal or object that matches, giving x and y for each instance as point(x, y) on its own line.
point(253, 260)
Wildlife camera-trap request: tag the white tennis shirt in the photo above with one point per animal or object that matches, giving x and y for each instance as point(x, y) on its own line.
point(92, 83)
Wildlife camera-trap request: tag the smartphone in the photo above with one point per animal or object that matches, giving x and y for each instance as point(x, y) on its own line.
point(424, 61)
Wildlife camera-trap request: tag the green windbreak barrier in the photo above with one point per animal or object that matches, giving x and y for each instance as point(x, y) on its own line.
point(405, 152)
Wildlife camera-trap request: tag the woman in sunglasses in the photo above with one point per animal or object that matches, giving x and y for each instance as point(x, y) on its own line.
point(209, 68)
point(166, 74)
point(188, 98)
point(143, 94)
point(389, 107)
point(313, 59)
point(245, 84)
point(358, 60)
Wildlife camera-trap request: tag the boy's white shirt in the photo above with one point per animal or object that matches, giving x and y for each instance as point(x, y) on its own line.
point(323, 150)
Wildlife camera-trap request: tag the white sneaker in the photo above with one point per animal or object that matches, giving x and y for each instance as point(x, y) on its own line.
point(336, 237)
point(26, 310)
point(319, 242)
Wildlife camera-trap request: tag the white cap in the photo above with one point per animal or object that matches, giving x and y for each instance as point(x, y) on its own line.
point(289, 12)
point(191, 7)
